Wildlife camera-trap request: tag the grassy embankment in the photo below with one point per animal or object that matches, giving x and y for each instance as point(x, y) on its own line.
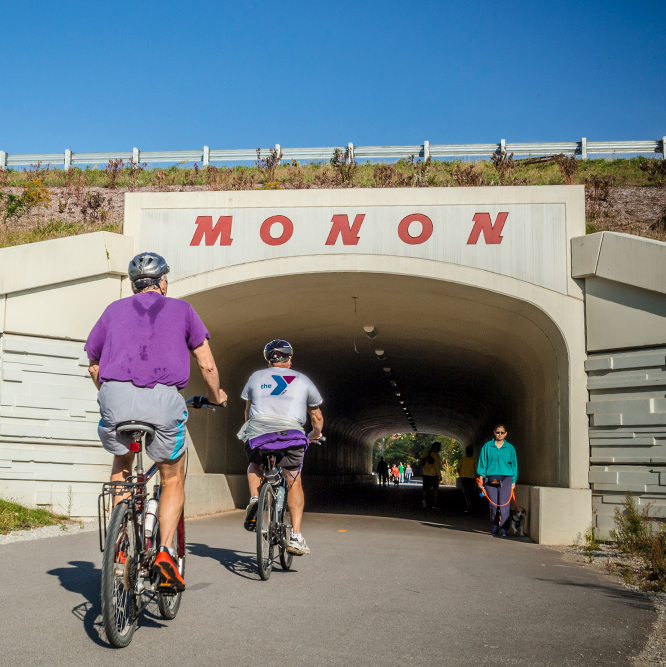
point(41, 203)
point(17, 517)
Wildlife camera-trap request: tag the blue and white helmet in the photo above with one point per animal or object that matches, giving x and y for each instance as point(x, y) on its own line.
point(278, 350)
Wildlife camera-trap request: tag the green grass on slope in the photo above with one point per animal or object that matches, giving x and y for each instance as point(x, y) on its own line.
point(17, 517)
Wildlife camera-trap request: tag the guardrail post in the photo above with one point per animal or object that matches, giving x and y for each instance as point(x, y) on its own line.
point(206, 156)
point(68, 159)
point(583, 149)
point(502, 146)
point(350, 152)
point(663, 148)
point(278, 151)
point(426, 150)
point(136, 154)
point(3, 159)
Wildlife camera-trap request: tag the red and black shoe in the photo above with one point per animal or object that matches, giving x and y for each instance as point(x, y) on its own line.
point(166, 571)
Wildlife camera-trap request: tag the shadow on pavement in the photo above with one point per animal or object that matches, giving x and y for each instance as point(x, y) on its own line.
point(85, 579)
point(403, 502)
point(240, 563)
point(631, 598)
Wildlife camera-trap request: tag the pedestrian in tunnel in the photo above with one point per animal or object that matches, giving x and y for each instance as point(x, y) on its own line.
point(382, 472)
point(401, 472)
point(498, 474)
point(395, 474)
point(408, 473)
point(432, 473)
point(467, 473)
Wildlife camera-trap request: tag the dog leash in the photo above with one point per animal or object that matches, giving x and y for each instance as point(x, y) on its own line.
point(492, 503)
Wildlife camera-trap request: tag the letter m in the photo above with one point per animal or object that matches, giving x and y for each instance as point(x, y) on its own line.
point(222, 230)
point(341, 227)
point(492, 234)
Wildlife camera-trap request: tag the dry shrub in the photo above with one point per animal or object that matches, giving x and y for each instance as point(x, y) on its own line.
point(466, 174)
point(506, 166)
point(597, 191)
point(568, 166)
point(268, 166)
point(325, 178)
point(345, 167)
point(161, 181)
point(242, 178)
point(34, 194)
point(295, 175)
point(94, 208)
point(384, 175)
point(133, 170)
point(190, 175)
point(212, 176)
point(113, 172)
point(4, 177)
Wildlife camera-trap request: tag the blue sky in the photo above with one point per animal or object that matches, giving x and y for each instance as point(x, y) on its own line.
point(94, 76)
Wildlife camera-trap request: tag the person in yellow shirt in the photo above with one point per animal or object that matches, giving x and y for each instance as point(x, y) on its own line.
point(467, 474)
point(432, 473)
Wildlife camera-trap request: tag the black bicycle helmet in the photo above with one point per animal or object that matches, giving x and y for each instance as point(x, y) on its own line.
point(147, 269)
point(278, 350)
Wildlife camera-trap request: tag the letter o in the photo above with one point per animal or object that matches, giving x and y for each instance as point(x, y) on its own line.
point(287, 230)
point(426, 229)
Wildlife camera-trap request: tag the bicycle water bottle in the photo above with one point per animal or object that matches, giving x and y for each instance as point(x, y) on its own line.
point(151, 517)
point(280, 498)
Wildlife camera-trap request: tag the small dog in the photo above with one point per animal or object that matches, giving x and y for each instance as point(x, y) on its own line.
point(517, 520)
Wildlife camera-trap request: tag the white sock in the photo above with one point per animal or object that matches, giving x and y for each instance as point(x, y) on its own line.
point(172, 552)
point(296, 536)
point(254, 499)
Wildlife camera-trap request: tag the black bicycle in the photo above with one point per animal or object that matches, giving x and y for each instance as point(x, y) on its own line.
point(130, 541)
point(273, 525)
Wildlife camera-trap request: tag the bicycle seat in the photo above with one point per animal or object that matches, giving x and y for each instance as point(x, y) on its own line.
point(136, 427)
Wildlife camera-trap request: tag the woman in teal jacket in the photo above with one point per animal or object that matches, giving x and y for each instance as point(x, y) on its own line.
point(498, 474)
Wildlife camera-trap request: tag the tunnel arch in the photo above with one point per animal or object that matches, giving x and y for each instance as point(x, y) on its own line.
point(466, 347)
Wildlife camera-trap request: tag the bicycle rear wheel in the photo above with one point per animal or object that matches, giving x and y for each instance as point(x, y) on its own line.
point(119, 574)
point(170, 604)
point(285, 529)
point(265, 531)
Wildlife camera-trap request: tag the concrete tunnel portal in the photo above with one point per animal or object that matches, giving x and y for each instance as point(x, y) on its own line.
point(462, 357)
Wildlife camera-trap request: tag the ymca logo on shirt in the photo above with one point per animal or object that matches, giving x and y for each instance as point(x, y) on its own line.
point(281, 384)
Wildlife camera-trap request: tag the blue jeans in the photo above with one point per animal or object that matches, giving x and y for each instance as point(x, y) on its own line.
point(500, 495)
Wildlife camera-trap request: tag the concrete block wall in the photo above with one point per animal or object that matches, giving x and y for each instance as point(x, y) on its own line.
point(48, 426)
point(627, 411)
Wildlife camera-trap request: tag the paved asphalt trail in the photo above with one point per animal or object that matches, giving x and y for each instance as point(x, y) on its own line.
point(386, 591)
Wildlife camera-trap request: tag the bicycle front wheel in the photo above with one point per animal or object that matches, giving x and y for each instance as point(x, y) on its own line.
point(265, 531)
point(119, 575)
point(170, 604)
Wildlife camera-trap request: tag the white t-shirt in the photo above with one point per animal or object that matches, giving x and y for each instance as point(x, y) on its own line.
point(281, 391)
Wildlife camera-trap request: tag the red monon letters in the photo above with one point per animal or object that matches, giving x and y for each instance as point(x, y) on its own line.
point(492, 234)
point(205, 228)
point(341, 227)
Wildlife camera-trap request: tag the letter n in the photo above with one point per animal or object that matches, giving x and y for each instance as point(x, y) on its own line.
point(492, 234)
point(341, 227)
point(222, 230)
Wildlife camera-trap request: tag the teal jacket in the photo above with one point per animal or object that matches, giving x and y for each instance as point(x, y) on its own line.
point(498, 461)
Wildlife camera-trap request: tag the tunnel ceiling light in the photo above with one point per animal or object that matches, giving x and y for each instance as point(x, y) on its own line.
point(370, 330)
point(380, 355)
point(401, 401)
point(393, 382)
point(387, 369)
point(397, 393)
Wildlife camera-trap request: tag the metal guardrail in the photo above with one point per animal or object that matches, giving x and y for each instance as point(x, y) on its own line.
point(583, 148)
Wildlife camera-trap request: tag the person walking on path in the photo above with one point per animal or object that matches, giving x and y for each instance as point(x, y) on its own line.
point(408, 473)
point(401, 471)
point(395, 474)
point(498, 474)
point(432, 473)
point(467, 472)
point(382, 472)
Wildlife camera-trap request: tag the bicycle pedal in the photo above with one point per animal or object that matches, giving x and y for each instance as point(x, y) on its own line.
point(166, 589)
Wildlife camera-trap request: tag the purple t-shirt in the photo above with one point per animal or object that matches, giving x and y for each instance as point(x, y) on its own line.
point(145, 339)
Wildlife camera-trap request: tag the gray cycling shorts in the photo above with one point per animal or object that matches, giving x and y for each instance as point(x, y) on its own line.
point(162, 407)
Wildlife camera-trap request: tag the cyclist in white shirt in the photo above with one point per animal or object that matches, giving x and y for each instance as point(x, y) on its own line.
point(278, 401)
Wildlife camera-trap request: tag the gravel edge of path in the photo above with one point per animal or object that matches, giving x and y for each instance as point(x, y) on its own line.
point(49, 531)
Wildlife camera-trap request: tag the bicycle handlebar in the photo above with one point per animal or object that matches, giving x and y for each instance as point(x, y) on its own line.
point(198, 402)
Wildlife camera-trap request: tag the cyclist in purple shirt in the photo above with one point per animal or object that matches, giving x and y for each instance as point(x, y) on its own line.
point(139, 353)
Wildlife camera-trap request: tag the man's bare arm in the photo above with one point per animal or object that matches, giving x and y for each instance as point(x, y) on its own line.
point(93, 369)
point(209, 374)
point(317, 420)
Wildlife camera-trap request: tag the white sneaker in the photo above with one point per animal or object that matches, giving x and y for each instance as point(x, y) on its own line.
point(297, 546)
